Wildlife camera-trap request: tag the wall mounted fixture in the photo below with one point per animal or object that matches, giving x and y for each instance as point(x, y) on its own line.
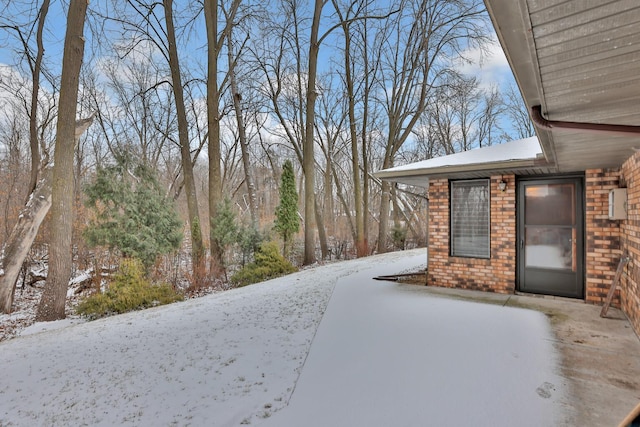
point(502, 185)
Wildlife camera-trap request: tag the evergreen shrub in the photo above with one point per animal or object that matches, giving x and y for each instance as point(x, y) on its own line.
point(130, 290)
point(268, 264)
point(131, 213)
point(399, 236)
point(287, 221)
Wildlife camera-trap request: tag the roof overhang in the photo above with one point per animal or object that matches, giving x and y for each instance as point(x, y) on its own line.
point(521, 157)
point(580, 61)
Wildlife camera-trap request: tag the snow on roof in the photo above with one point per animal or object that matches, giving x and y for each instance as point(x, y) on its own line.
point(522, 149)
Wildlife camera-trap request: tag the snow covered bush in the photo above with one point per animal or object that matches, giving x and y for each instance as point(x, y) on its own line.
point(268, 264)
point(130, 290)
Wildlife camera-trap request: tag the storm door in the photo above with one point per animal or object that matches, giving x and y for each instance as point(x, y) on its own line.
point(550, 237)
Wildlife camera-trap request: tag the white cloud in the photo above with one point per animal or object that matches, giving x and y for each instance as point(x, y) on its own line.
point(489, 65)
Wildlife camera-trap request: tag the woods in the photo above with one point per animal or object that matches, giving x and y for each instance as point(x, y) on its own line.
point(217, 105)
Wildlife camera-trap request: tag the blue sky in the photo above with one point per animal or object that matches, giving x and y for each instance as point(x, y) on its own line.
point(494, 68)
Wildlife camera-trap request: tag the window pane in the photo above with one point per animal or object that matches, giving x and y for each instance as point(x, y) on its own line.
point(550, 204)
point(470, 218)
point(549, 247)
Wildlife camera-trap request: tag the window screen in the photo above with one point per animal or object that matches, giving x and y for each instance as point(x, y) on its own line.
point(470, 218)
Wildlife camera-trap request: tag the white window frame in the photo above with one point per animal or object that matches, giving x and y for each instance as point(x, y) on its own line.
point(469, 225)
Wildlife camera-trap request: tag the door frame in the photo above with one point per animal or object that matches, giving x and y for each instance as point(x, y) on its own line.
point(580, 222)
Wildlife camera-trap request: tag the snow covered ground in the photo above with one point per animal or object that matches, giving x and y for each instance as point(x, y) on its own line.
point(327, 346)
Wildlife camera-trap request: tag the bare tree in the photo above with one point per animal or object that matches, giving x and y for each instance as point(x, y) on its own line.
point(215, 43)
point(33, 118)
point(414, 52)
point(197, 247)
point(308, 153)
point(516, 111)
point(242, 132)
point(491, 108)
point(53, 300)
point(138, 112)
point(34, 61)
point(349, 77)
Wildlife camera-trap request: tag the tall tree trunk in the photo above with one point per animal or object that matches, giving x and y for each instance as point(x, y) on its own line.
point(197, 247)
point(365, 141)
point(213, 121)
point(322, 234)
point(308, 143)
point(343, 202)
point(35, 89)
point(385, 197)
point(244, 143)
point(365, 187)
point(328, 198)
point(383, 226)
point(361, 246)
point(214, 46)
point(51, 305)
point(396, 216)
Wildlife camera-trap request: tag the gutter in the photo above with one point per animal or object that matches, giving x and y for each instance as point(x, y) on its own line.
point(542, 123)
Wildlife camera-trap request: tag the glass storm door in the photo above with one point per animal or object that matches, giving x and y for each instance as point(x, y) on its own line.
point(550, 237)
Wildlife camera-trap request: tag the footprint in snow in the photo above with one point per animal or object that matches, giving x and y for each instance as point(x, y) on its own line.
point(545, 390)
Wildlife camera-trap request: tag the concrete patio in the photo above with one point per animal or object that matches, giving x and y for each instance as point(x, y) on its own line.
point(600, 356)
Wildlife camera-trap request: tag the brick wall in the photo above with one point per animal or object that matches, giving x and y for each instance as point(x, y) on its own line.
point(496, 274)
point(605, 240)
point(630, 289)
point(602, 244)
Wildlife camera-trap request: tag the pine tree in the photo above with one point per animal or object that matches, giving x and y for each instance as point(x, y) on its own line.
point(225, 229)
point(132, 214)
point(287, 220)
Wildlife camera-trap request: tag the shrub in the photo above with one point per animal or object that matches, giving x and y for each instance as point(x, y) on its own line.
point(268, 264)
point(249, 239)
point(130, 290)
point(131, 212)
point(224, 229)
point(399, 236)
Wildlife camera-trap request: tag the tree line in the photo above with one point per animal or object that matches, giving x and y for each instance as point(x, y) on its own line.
point(214, 98)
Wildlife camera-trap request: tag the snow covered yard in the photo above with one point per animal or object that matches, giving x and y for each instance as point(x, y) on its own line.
point(379, 356)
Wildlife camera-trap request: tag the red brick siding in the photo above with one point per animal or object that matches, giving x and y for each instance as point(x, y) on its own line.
point(602, 245)
point(630, 289)
point(605, 240)
point(496, 274)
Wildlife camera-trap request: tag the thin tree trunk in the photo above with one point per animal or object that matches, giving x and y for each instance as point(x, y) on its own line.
point(35, 89)
point(385, 197)
point(365, 153)
point(383, 226)
point(361, 247)
point(328, 199)
point(322, 234)
point(244, 143)
point(345, 205)
point(197, 247)
point(51, 305)
point(365, 189)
